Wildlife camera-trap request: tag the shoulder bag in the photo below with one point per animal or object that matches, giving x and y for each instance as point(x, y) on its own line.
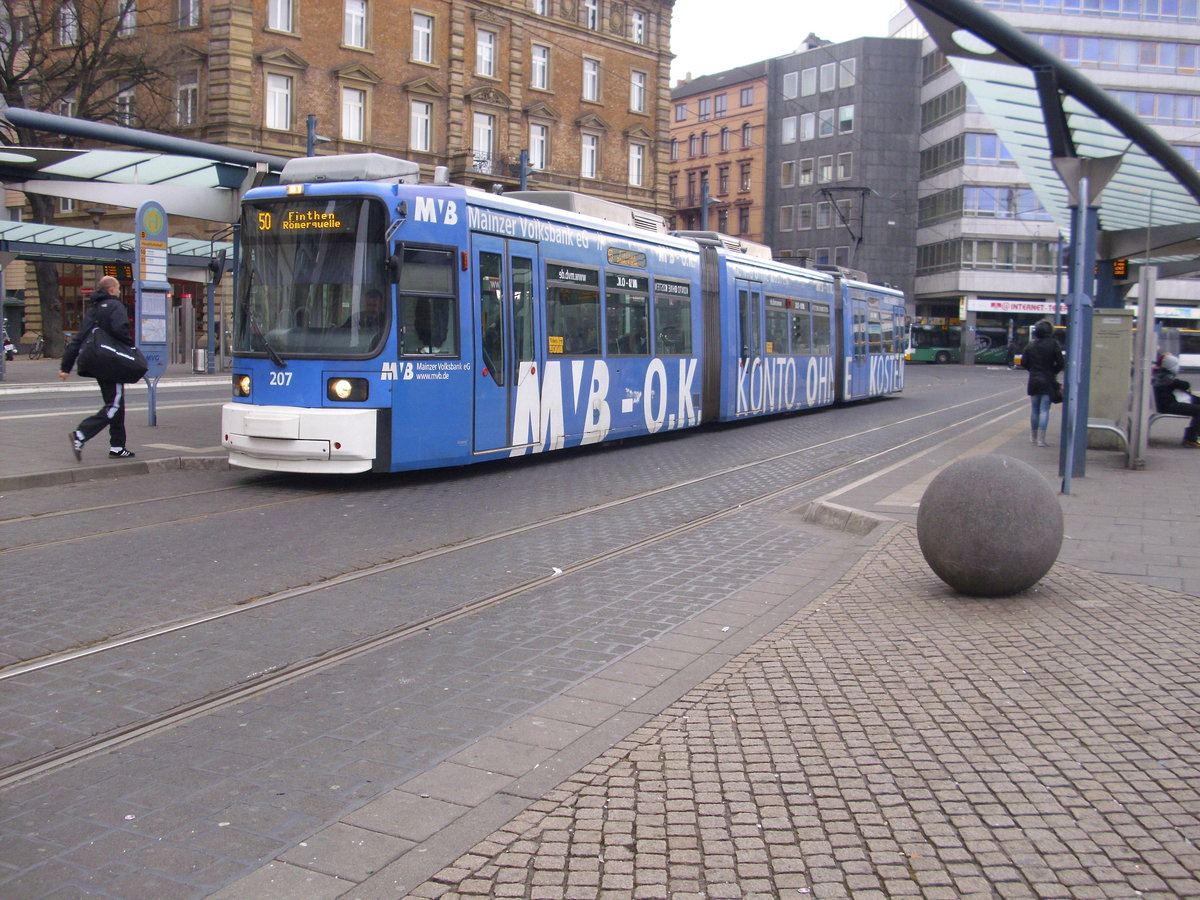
point(103, 357)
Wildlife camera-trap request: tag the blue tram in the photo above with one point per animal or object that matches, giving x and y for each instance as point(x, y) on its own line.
point(383, 325)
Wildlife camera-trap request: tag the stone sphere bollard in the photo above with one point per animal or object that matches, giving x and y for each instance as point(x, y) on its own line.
point(990, 526)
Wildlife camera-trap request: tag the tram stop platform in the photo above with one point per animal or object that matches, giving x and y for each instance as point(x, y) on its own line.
point(860, 731)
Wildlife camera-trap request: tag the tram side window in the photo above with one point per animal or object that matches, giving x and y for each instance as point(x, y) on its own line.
point(859, 329)
point(874, 332)
point(822, 344)
point(802, 329)
point(672, 319)
point(777, 326)
point(627, 317)
point(426, 302)
point(573, 320)
point(491, 314)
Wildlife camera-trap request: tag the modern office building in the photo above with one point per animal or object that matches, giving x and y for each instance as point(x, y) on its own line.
point(717, 153)
point(842, 156)
point(984, 244)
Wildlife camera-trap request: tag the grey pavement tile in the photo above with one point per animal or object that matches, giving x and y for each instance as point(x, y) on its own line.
point(346, 851)
point(283, 881)
point(403, 814)
point(505, 757)
point(460, 784)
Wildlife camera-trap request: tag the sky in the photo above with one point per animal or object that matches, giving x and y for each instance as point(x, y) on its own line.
point(710, 36)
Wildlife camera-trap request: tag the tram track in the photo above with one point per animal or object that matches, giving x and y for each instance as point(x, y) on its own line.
point(277, 676)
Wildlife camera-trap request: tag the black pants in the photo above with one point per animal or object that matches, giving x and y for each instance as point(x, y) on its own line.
point(111, 415)
point(1184, 409)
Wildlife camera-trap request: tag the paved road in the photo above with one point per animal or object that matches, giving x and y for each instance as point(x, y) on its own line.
point(859, 730)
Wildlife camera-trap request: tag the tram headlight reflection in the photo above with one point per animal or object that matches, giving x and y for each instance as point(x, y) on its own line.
point(347, 389)
point(241, 385)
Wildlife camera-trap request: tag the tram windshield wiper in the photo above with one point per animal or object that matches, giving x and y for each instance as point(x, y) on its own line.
point(275, 357)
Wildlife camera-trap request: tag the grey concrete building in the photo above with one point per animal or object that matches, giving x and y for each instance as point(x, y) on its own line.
point(842, 156)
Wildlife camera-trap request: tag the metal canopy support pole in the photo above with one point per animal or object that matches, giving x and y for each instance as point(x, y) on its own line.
point(1143, 360)
point(1084, 180)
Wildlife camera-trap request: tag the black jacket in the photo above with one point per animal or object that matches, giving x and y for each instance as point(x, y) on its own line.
point(105, 312)
point(1044, 360)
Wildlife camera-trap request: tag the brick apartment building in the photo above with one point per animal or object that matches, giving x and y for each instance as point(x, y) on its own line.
point(717, 151)
point(582, 86)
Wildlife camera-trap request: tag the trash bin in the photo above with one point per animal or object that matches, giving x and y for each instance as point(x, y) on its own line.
point(199, 363)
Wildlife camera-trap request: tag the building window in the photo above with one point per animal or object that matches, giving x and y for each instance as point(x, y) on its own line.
point(720, 105)
point(804, 217)
point(693, 146)
point(828, 76)
point(744, 177)
point(743, 220)
point(804, 175)
point(589, 155)
point(68, 25)
point(187, 99)
point(787, 130)
point(539, 67)
point(540, 7)
point(422, 38)
point(747, 96)
point(485, 53)
point(825, 123)
point(672, 187)
point(591, 80)
point(808, 82)
point(824, 169)
point(354, 23)
point(787, 173)
point(637, 27)
point(846, 73)
point(354, 114)
point(824, 214)
point(845, 163)
point(539, 145)
point(724, 138)
point(127, 23)
point(124, 107)
point(808, 126)
point(637, 91)
point(680, 112)
point(189, 13)
point(279, 15)
point(637, 164)
point(481, 145)
point(674, 149)
point(791, 85)
point(846, 119)
point(722, 181)
point(787, 218)
point(66, 204)
point(704, 144)
point(420, 125)
point(591, 14)
point(747, 136)
point(841, 256)
point(703, 109)
point(279, 102)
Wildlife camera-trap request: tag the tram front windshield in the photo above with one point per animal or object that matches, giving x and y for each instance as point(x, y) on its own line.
point(312, 279)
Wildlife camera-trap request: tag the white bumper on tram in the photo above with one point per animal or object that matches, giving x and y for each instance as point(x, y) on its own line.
point(287, 439)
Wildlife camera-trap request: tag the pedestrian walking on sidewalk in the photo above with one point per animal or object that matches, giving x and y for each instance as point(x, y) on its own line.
point(1043, 359)
point(1170, 392)
point(106, 312)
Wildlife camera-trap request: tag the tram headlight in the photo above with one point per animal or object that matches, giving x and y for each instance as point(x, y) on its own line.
point(346, 389)
point(241, 385)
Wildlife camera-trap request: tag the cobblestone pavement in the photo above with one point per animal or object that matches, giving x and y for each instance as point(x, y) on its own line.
point(889, 743)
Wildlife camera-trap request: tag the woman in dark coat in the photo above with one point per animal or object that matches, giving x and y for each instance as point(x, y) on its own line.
point(1043, 358)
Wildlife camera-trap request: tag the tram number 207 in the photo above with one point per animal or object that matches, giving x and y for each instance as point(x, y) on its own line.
point(281, 379)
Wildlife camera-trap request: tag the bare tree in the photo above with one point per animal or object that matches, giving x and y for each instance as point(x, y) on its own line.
point(99, 60)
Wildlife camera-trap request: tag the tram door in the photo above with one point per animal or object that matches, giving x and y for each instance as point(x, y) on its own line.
point(505, 345)
point(750, 346)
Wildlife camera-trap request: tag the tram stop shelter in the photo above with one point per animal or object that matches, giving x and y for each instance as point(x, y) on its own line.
point(1120, 190)
point(188, 178)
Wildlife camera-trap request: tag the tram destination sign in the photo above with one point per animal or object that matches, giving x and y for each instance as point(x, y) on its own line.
point(325, 216)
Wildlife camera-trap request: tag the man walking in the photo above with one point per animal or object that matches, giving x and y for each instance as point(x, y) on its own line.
point(106, 312)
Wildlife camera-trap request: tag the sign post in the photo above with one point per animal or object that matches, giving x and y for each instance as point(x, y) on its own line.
point(151, 293)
